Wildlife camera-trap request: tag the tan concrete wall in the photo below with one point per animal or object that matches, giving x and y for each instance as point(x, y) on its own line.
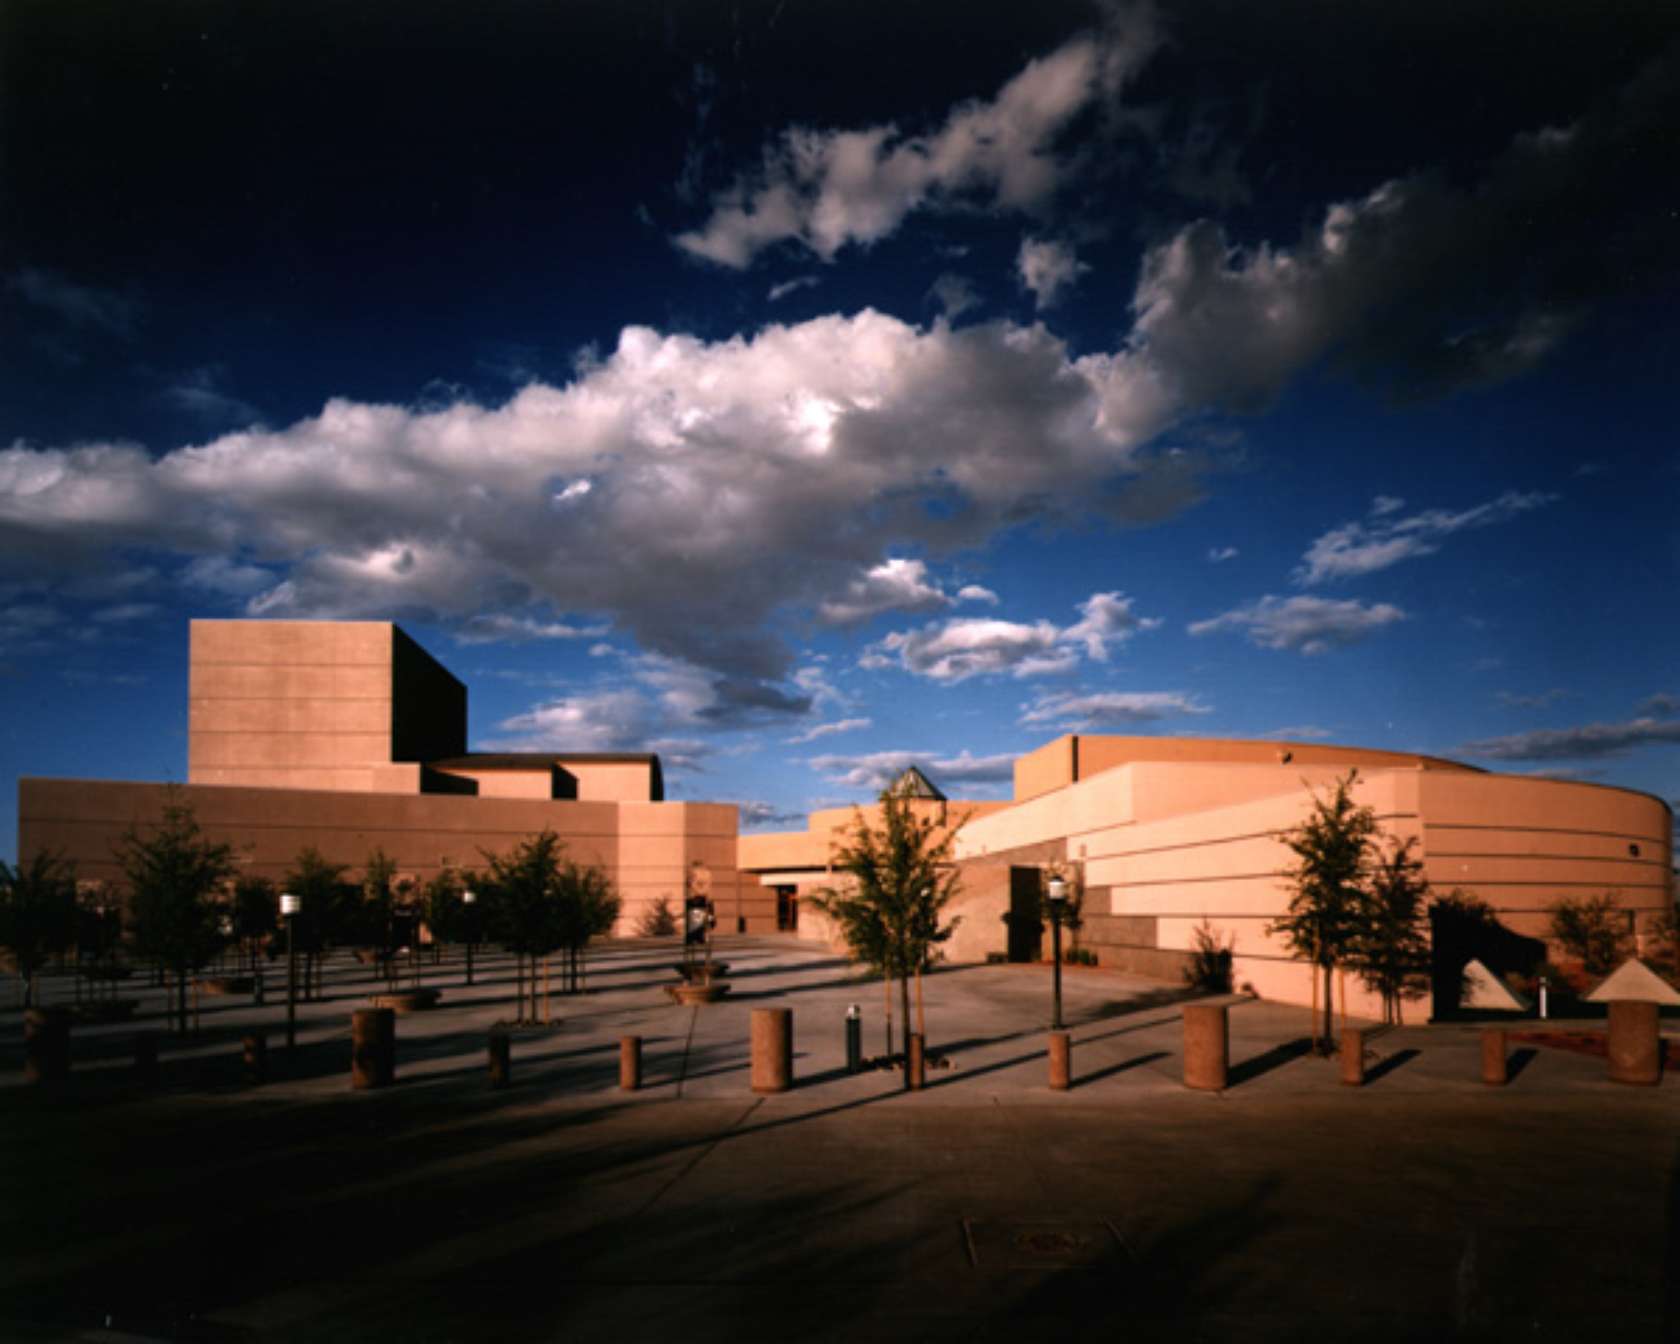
point(645, 848)
point(612, 781)
point(289, 704)
point(508, 783)
point(1047, 768)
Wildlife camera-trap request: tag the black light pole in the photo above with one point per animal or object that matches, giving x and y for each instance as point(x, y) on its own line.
point(469, 899)
point(289, 907)
point(1056, 890)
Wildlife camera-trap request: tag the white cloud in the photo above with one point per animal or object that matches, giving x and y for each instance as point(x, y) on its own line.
point(1588, 740)
point(1107, 708)
point(499, 628)
point(1383, 505)
point(1299, 732)
point(1306, 625)
point(1539, 700)
point(955, 294)
point(79, 305)
point(827, 189)
point(221, 574)
point(202, 395)
point(973, 592)
point(1047, 268)
point(957, 649)
point(876, 770)
point(1218, 555)
point(1662, 705)
point(830, 730)
point(708, 464)
point(793, 286)
point(1358, 548)
point(892, 585)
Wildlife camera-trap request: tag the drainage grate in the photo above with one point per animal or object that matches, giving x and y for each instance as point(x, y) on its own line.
point(995, 1243)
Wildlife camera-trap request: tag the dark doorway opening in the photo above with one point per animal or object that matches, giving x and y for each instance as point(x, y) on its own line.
point(1025, 917)
point(787, 909)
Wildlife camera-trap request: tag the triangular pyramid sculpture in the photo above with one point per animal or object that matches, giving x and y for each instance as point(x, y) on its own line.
point(1485, 990)
point(1634, 980)
point(912, 783)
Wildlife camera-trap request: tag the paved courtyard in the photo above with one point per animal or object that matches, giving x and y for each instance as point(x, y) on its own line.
point(1424, 1204)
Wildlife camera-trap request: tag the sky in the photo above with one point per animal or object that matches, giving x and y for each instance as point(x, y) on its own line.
point(801, 390)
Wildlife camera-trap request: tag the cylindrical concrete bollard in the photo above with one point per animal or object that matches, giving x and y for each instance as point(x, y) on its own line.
point(1061, 1061)
point(1635, 1045)
point(255, 1058)
point(1207, 1046)
point(917, 1073)
point(146, 1058)
point(46, 1044)
point(1353, 1057)
point(630, 1063)
point(501, 1060)
point(373, 1048)
point(1496, 1068)
point(772, 1049)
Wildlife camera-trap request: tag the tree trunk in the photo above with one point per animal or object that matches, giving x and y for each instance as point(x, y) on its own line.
point(886, 984)
point(181, 990)
point(904, 1007)
point(921, 1015)
point(1327, 1041)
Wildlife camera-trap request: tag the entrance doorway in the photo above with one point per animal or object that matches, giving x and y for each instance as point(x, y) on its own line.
point(1025, 917)
point(787, 909)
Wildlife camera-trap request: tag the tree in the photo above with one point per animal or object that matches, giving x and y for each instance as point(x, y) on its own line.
point(255, 906)
point(329, 907)
point(378, 913)
point(1391, 950)
point(588, 908)
point(901, 882)
point(658, 920)
point(1328, 910)
point(174, 873)
point(1592, 930)
point(37, 914)
point(526, 908)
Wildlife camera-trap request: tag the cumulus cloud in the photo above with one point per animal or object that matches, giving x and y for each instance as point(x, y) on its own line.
point(957, 649)
point(1109, 708)
point(1308, 625)
point(500, 628)
point(1662, 705)
point(655, 491)
point(1047, 268)
point(955, 294)
point(1563, 744)
point(1364, 548)
point(876, 770)
point(892, 585)
point(830, 730)
point(826, 189)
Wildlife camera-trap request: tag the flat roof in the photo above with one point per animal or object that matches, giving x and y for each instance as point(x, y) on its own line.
point(542, 760)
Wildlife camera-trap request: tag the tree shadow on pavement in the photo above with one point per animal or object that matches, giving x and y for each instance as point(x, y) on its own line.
point(1279, 1055)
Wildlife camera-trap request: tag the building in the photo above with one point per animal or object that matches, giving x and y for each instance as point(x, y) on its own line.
point(1166, 833)
point(349, 737)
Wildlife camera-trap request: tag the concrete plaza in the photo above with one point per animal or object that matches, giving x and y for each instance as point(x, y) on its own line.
point(1424, 1204)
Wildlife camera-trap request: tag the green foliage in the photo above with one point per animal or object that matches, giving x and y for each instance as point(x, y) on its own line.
point(174, 873)
point(1209, 968)
point(443, 908)
point(539, 901)
point(659, 920)
point(1390, 950)
point(256, 908)
point(1593, 930)
point(376, 917)
point(901, 881)
point(329, 903)
point(1663, 939)
point(37, 912)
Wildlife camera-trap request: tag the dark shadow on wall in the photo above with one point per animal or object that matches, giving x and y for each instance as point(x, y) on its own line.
point(1462, 931)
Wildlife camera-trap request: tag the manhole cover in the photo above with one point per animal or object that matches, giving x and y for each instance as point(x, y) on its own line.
point(1041, 1243)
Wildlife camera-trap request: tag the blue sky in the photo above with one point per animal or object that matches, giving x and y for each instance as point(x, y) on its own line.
point(802, 390)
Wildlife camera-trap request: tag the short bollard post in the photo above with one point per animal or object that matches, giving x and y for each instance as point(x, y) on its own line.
point(146, 1058)
point(1061, 1061)
point(854, 1039)
point(1496, 1069)
point(1207, 1046)
point(256, 1058)
point(1353, 1057)
point(772, 1049)
point(373, 1048)
point(1635, 1047)
point(918, 1063)
point(46, 1045)
point(630, 1063)
point(501, 1060)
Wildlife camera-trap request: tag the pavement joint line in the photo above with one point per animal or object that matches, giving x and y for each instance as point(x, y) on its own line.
point(700, 1156)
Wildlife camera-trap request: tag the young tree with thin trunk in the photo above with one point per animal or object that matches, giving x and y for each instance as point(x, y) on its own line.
point(1328, 909)
point(37, 914)
point(901, 882)
point(1391, 950)
point(588, 909)
point(526, 909)
point(174, 874)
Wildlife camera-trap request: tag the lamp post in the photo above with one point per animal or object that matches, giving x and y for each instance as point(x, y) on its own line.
point(1056, 890)
point(470, 899)
point(289, 907)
